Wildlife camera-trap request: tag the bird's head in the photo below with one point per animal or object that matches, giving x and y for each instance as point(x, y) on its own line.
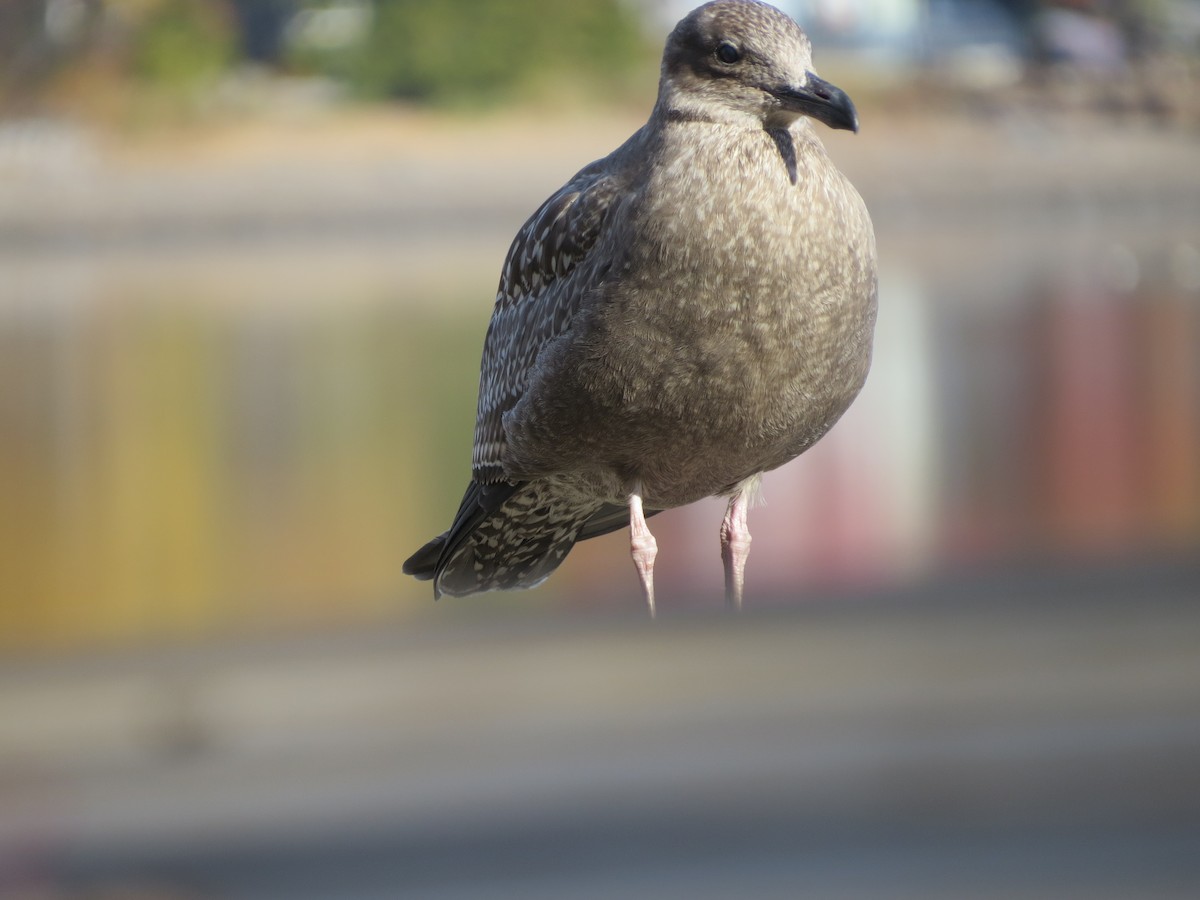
point(739, 60)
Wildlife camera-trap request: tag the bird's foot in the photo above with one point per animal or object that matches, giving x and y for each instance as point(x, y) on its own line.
point(644, 548)
point(735, 548)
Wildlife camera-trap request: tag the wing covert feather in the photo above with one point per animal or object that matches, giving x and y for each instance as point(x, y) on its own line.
point(549, 269)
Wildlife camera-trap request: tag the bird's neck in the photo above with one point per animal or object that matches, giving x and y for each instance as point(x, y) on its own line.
point(675, 105)
point(680, 108)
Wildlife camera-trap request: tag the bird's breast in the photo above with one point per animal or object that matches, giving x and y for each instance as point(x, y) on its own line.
point(750, 277)
point(733, 330)
point(756, 317)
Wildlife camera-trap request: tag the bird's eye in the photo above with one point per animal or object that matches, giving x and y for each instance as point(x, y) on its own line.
point(728, 54)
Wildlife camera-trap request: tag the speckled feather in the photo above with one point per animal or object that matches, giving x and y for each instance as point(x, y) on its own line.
point(690, 311)
point(546, 275)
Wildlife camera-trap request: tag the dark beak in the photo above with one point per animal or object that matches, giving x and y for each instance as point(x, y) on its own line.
point(821, 100)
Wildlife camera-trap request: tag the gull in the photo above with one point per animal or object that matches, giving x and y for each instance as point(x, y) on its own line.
point(683, 315)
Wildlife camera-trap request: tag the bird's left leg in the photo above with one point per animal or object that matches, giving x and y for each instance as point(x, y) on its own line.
point(735, 545)
point(643, 546)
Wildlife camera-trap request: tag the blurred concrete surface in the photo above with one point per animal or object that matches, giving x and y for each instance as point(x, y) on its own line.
point(1038, 738)
point(969, 199)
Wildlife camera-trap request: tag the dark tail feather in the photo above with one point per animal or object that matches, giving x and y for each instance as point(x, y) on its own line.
point(479, 502)
point(422, 565)
point(505, 537)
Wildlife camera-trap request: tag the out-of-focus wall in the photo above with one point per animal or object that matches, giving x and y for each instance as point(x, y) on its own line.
point(238, 350)
point(238, 388)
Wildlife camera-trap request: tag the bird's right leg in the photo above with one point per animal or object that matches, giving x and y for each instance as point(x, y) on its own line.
point(643, 546)
point(735, 546)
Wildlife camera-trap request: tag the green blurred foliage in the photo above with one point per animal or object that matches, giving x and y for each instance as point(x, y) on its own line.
point(107, 55)
point(183, 44)
point(470, 53)
point(479, 52)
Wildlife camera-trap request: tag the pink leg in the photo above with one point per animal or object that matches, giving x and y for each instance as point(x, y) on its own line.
point(644, 547)
point(735, 547)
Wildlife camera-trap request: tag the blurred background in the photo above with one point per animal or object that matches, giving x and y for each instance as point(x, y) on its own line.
point(248, 251)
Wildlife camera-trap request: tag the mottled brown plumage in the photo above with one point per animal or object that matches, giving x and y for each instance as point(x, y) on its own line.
point(685, 314)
